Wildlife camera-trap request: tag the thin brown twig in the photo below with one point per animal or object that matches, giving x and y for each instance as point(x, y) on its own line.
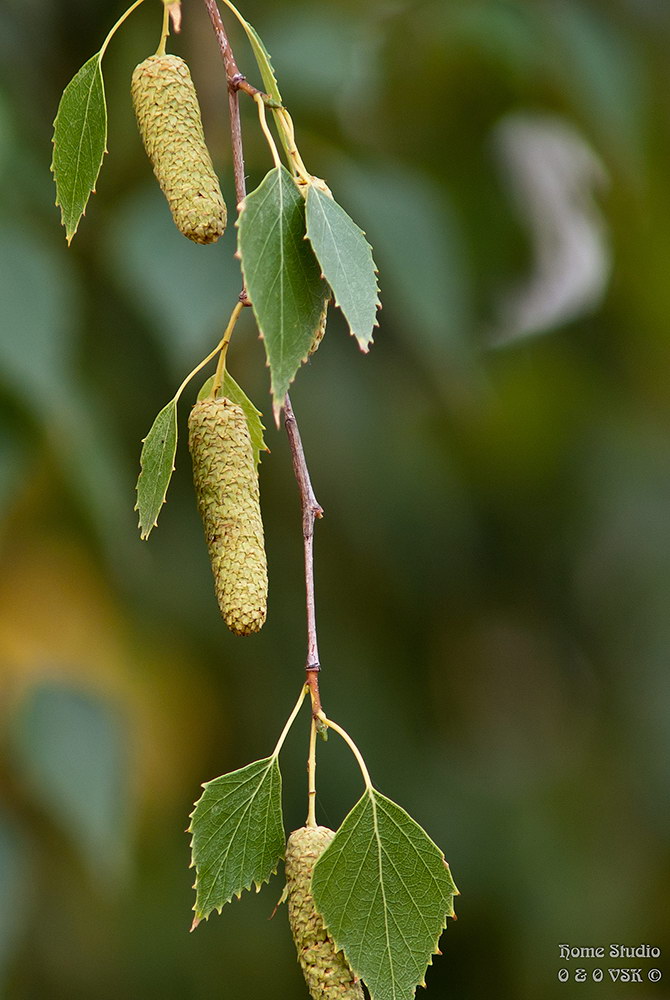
point(311, 509)
point(236, 82)
point(232, 70)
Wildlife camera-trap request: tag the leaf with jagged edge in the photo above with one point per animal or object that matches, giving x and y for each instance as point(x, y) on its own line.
point(384, 891)
point(237, 834)
point(346, 262)
point(80, 142)
point(231, 390)
point(282, 276)
point(156, 467)
point(261, 54)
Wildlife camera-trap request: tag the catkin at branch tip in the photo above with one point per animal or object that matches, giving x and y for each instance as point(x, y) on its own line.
point(168, 117)
point(226, 486)
point(326, 970)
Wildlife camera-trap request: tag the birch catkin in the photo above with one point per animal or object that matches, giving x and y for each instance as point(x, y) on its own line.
point(168, 116)
point(226, 486)
point(326, 970)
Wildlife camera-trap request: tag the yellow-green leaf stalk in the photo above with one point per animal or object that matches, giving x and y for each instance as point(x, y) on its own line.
point(226, 486)
point(326, 970)
point(168, 117)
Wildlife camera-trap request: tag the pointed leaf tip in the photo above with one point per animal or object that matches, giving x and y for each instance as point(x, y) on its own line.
point(346, 260)
point(238, 834)
point(282, 277)
point(79, 143)
point(387, 936)
point(156, 467)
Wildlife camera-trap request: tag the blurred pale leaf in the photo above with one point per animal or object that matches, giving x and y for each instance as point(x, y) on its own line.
point(70, 749)
point(157, 465)
point(281, 275)
point(603, 74)
point(385, 892)
point(345, 257)
point(184, 291)
point(507, 32)
point(13, 462)
point(313, 46)
point(232, 391)
point(39, 300)
point(238, 834)
point(420, 254)
point(15, 876)
point(80, 139)
point(40, 305)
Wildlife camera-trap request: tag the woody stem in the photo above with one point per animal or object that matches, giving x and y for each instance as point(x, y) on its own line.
point(234, 79)
point(311, 509)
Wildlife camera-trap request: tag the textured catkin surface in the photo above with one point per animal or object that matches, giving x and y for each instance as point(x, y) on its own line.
point(168, 116)
point(226, 486)
point(326, 971)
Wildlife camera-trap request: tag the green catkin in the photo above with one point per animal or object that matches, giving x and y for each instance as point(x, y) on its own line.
point(168, 117)
point(226, 486)
point(326, 970)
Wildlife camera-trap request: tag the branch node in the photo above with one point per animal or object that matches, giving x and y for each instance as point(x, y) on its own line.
point(235, 81)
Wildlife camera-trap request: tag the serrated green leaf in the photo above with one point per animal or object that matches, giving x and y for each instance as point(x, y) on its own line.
point(261, 53)
point(264, 62)
point(281, 275)
point(384, 891)
point(157, 465)
point(238, 834)
point(80, 142)
point(232, 391)
point(346, 261)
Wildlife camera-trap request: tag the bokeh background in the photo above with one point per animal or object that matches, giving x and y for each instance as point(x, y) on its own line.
point(493, 571)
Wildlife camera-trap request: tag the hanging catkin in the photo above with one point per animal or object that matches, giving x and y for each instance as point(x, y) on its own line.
point(226, 486)
point(168, 116)
point(326, 970)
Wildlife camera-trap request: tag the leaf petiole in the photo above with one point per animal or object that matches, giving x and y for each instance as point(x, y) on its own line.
point(352, 746)
point(290, 721)
point(212, 354)
point(118, 24)
point(287, 129)
point(260, 104)
point(165, 31)
point(221, 366)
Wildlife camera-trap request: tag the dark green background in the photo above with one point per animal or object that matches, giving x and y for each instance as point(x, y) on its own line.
point(493, 570)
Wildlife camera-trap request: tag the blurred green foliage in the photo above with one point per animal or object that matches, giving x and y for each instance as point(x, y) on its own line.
point(493, 571)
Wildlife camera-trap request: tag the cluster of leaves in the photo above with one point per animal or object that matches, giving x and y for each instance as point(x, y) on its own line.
point(298, 249)
point(382, 886)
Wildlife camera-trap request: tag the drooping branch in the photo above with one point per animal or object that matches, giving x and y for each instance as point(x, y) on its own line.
point(311, 509)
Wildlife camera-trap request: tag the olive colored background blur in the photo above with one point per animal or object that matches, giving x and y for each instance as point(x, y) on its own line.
point(493, 571)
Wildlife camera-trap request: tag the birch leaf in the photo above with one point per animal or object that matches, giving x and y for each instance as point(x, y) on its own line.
point(80, 141)
point(237, 834)
point(157, 465)
point(384, 891)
